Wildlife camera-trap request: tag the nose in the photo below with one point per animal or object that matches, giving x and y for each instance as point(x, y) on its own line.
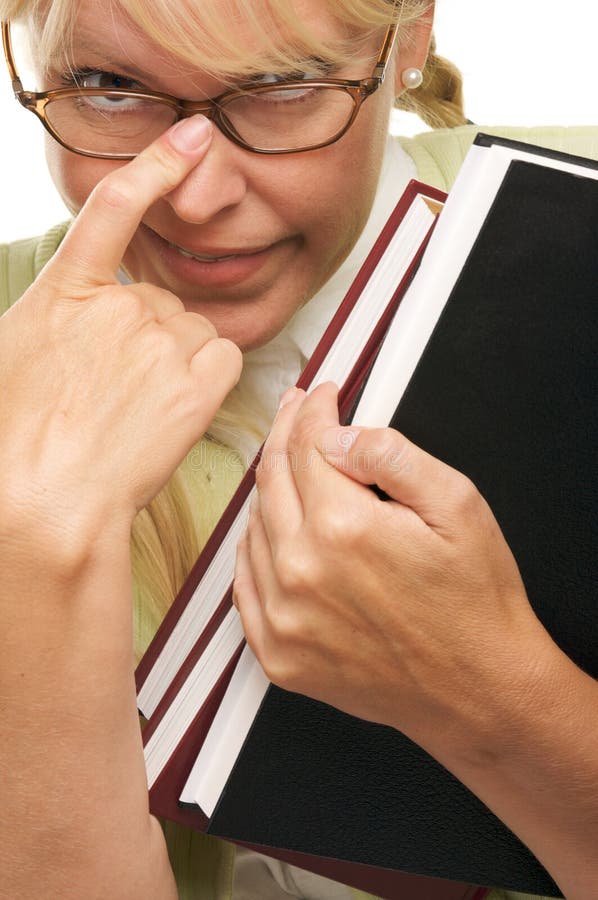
point(218, 183)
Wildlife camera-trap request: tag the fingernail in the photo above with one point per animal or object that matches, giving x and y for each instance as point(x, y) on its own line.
point(336, 442)
point(190, 134)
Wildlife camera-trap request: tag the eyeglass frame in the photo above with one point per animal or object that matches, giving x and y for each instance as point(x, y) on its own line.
point(359, 90)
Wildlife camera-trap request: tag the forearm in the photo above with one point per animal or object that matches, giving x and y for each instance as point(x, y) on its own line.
point(75, 815)
point(94, 375)
point(532, 757)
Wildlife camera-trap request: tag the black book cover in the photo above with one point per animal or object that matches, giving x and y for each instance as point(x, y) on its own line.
point(505, 392)
point(482, 139)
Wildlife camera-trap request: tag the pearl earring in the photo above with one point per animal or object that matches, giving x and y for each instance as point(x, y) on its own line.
point(411, 78)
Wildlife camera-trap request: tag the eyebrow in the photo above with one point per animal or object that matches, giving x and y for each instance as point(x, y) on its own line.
point(125, 67)
point(83, 48)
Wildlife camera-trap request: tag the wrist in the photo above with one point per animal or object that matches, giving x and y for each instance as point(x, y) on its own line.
point(534, 763)
point(65, 534)
point(516, 713)
point(508, 694)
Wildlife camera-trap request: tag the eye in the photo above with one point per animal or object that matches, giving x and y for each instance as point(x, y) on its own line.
point(100, 80)
point(289, 90)
point(285, 95)
point(310, 70)
point(271, 78)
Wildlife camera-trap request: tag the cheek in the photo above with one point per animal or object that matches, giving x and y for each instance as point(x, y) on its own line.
point(335, 191)
point(74, 176)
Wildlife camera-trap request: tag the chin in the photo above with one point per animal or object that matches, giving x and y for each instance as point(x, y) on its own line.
point(250, 321)
point(249, 313)
point(247, 335)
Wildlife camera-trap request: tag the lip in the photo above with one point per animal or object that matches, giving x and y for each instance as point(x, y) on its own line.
point(231, 265)
point(219, 253)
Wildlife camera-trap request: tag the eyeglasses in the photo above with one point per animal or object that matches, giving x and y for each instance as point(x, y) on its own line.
point(274, 117)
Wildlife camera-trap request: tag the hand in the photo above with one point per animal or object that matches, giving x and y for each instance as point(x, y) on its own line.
point(410, 611)
point(104, 390)
point(105, 387)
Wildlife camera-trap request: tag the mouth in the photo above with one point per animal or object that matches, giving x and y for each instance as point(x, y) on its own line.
point(213, 266)
point(212, 254)
point(208, 257)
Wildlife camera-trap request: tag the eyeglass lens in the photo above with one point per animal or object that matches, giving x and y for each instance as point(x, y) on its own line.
point(289, 118)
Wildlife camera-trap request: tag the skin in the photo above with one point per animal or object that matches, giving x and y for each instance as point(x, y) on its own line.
point(90, 363)
point(452, 655)
point(150, 357)
point(311, 206)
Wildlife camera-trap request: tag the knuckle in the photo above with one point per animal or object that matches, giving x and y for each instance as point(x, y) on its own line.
point(335, 526)
point(169, 163)
point(292, 572)
point(466, 498)
point(165, 301)
point(164, 346)
point(276, 670)
point(200, 323)
point(297, 571)
point(284, 626)
point(281, 658)
point(273, 461)
point(226, 359)
point(231, 358)
point(305, 430)
point(284, 676)
point(253, 530)
point(115, 192)
point(133, 304)
point(215, 355)
point(127, 309)
point(393, 450)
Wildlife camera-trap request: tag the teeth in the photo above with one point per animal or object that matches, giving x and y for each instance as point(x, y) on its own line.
point(199, 257)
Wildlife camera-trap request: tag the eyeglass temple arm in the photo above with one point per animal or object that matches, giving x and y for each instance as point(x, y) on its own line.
point(389, 40)
point(17, 85)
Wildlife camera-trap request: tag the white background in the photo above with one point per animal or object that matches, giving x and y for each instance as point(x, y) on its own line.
point(525, 62)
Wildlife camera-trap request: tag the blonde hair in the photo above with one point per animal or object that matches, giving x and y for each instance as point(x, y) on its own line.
point(193, 33)
point(166, 538)
point(438, 101)
point(164, 546)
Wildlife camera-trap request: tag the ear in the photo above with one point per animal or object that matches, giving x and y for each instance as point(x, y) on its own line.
point(413, 44)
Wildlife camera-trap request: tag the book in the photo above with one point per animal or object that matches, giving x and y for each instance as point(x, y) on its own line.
point(479, 181)
point(343, 354)
point(385, 275)
point(277, 790)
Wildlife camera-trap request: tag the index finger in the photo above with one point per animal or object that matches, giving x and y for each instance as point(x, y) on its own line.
point(314, 477)
point(293, 478)
point(92, 251)
point(279, 500)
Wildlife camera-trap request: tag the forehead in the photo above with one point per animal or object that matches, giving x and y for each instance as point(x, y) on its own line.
point(213, 29)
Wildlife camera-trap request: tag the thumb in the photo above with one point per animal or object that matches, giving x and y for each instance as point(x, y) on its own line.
point(406, 473)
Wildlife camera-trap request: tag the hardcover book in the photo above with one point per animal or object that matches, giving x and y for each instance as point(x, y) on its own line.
point(489, 364)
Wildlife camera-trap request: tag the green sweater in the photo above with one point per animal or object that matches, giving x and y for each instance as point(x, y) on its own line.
point(204, 865)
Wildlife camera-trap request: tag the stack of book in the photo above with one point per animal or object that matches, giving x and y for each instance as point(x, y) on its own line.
point(473, 331)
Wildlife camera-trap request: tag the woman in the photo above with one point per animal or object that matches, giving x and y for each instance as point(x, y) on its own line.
point(199, 235)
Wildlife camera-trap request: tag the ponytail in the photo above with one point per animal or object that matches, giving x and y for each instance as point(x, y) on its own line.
point(438, 101)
